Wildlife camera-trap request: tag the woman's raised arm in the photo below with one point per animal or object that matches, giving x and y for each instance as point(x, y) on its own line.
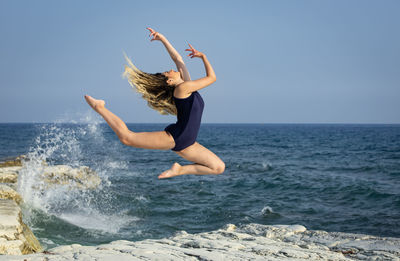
point(192, 86)
point(175, 56)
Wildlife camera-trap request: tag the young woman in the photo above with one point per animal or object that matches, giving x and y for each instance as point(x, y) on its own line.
point(175, 93)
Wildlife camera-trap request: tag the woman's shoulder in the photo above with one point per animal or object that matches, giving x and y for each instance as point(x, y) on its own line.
point(180, 93)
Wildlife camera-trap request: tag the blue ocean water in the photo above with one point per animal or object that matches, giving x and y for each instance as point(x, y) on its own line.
point(329, 177)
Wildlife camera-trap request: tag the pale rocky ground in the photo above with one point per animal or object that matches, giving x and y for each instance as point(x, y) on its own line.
point(249, 242)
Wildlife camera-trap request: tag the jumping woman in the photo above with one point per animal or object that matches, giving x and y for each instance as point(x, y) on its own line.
point(171, 92)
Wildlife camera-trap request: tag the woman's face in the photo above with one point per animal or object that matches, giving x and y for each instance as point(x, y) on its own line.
point(172, 76)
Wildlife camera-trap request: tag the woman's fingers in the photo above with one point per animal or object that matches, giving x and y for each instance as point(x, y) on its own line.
point(194, 52)
point(153, 33)
point(191, 47)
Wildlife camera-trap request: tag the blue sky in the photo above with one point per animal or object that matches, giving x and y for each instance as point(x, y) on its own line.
point(276, 61)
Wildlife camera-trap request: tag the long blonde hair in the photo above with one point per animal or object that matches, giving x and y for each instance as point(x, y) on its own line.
point(153, 87)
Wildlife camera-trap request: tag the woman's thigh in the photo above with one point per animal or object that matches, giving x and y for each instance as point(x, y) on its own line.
point(197, 153)
point(160, 140)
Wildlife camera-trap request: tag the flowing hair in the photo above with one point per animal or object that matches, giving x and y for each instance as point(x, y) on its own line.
point(153, 87)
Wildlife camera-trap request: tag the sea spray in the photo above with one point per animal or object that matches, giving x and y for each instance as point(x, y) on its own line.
point(54, 144)
point(66, 144)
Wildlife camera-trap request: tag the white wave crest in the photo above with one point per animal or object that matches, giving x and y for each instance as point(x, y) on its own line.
point(267, 210)
point(95, 220)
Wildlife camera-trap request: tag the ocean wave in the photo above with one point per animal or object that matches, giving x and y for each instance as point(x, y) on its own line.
point(118, 165)
point(252, 166)
point(266, 165)
point(267, 211)
point(357, 169)
point(94, 220)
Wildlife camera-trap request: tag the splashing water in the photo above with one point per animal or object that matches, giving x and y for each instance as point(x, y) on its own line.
point(63, 143)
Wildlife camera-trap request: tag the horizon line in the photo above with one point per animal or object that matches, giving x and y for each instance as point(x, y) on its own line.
point(251, 123)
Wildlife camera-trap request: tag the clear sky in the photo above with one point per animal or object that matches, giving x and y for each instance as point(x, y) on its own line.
point(276, 61)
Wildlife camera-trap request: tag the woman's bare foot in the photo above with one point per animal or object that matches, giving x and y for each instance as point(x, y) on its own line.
point(95, 104)
point(172, 172)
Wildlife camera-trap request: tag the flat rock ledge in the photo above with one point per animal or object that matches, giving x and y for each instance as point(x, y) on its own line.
point(12, 162)
point(249, 242)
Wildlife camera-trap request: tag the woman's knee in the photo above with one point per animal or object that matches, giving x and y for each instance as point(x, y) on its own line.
point(125, 137)
point(219, 168)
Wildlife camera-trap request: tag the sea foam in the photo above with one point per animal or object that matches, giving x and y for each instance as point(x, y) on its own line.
point(58, 143)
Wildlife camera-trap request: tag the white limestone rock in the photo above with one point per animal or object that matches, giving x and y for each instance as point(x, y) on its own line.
point(6, 192)
point(9, 174)
point(10, 228)
point(248, 242)
point(10, 247)
point(9, 216)
point(82, 177)
point(15, 237)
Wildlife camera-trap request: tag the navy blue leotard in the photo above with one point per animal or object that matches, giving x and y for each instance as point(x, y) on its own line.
point(189, 114)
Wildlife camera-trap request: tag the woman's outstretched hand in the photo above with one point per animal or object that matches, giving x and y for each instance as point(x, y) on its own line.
point(194, 53)
point(156, 35)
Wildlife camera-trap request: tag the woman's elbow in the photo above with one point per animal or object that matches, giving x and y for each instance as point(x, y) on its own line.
point(213, 78)
point(178, 59)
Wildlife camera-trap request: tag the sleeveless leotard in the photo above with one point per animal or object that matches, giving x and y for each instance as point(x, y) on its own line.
point(185, 130)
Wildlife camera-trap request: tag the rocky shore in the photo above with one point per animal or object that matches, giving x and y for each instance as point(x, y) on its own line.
point(247, 242)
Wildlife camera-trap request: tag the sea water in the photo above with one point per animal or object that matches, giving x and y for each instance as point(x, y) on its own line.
point(328, 177)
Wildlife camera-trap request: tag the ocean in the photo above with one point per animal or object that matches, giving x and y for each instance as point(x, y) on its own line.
point(328, 177)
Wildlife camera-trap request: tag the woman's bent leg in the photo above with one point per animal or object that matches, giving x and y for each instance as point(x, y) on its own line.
point(206, 162)
point(146, 140)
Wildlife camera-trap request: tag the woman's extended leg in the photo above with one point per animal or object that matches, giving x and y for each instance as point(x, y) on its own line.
point(148, 140)
point(206, 162)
